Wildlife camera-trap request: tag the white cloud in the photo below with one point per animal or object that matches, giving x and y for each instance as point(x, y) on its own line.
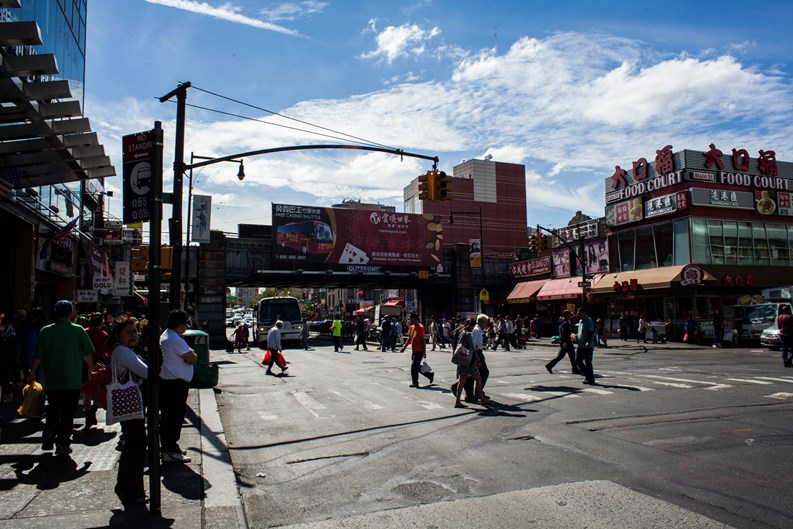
point(400, 41)
point(570, 107)
point(227, 12)
point(294, 10)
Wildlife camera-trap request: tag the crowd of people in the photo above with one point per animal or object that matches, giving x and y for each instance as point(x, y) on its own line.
point(62, 353)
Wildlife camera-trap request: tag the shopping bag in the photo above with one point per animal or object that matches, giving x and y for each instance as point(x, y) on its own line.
point(124, 400)
point(96, 385)
point(266, 358)
point(31, 403)
point(281, 361)
point(205, 376)
point(685, 337)
point(425, 368)
point(461, 357)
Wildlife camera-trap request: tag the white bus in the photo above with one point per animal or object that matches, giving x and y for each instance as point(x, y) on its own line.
point(269, 310)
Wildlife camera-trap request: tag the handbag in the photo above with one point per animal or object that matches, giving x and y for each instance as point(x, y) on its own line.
point(461, 356)
point(96, 385)
point(266, 357)
point(31, 404)
point(425, 368)
point(205, 376)
point(280, 361)
point(124, 400)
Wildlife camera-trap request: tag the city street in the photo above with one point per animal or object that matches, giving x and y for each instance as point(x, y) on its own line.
point(671, 437)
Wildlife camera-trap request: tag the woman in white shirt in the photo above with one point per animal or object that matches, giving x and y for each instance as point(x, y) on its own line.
point(125, 363)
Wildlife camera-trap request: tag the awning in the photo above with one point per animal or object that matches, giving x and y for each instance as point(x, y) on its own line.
point(644, 279)
point(394, 303)
point(565, 288)
point(44, 138)
point(525, 291)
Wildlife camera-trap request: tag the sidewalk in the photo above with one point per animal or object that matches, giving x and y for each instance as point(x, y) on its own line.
point(41, 490)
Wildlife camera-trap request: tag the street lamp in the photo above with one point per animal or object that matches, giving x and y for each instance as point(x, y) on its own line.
point(481, 244)
point(193, 158)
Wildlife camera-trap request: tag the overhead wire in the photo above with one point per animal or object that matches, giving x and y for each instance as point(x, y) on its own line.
point(271, 112)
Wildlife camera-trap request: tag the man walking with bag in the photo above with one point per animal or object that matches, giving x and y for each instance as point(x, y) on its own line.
point(566, 346)
point(274, 347)
point(586, 346)
point(418, 348)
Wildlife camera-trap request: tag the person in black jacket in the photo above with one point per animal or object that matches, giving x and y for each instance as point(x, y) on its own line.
point(565, 344)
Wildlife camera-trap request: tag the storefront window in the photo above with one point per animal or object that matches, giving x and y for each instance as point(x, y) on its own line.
point(645, 249)
point(699, 235)
point(777, 243)
point(761, 255)
point(730, 242)
point(744, 243)
point(626, 251)
point(716, 240)
point(663, 243)
point(682, 253)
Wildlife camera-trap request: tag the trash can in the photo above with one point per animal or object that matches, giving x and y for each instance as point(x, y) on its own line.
point(199, 341)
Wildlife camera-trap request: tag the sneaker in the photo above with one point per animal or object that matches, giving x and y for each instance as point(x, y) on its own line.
point(48, 443)
point(90, 419)
point(549, 368)
point(431, 376)
point(63, 450)
point(175, 457)
point(414, 386)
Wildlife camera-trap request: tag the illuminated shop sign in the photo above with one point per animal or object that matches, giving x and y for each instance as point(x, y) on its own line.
point(658, 206)
point(624, 212)
point(722, 198)
point(645, 186)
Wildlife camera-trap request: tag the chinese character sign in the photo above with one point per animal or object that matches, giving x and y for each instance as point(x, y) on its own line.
point(199, 225)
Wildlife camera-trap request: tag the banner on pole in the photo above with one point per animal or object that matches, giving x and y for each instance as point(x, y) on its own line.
point(202, 210)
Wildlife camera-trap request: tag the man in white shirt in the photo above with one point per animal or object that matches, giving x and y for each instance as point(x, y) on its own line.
point(274, 346)
point(176, 373)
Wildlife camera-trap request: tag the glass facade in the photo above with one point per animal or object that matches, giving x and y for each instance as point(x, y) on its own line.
point(62, 24)
point(654, 246)
point(732, 242)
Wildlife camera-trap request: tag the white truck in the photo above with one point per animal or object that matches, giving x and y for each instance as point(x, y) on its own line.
point(754, 318)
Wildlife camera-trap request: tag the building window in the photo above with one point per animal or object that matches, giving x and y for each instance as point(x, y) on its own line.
point(663, 243)
point(625, 247)
point(716, 240)
point(777, 244)
point(699, 236)
point(730, 230)
point(745, 243)
point(645, 249)
point(761, 254)
point(682, 251)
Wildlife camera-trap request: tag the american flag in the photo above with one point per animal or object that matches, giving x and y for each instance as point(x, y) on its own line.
point(62, 233)
point(9, 178)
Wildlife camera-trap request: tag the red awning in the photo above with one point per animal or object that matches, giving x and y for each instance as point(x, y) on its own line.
point(394, 303)
point(525, 291)
point(566, 288)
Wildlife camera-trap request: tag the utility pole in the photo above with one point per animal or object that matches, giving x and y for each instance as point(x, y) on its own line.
point(175, 224)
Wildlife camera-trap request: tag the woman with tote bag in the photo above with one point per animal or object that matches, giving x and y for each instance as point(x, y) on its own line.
point(124, 363)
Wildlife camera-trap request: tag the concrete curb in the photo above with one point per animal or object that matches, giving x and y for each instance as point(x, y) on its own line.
point(222, 503)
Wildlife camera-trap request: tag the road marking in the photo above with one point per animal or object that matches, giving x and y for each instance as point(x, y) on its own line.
point(789, 381)
point(309, 403)
point(678, 441)
point(671, 384)
point(427, 405)
point(780, 396)
point(748, 381)
point(267, 416)
point(717, 387)
point(684, 380)
point(522, 396)
point(598, 391)
point(371, 406)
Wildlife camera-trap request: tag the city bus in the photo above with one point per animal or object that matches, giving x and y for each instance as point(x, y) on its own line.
point(307, 237)
point(269, 310)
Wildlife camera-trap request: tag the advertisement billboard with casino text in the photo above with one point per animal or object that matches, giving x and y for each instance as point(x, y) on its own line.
point(353, 240)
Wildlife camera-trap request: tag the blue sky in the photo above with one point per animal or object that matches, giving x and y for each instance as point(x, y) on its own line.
point(569, 89)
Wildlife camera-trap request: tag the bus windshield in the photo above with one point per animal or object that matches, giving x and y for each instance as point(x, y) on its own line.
point(284, 309)
point(763, 313)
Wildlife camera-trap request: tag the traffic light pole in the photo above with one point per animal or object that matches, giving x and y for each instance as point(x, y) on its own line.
point(579, 255)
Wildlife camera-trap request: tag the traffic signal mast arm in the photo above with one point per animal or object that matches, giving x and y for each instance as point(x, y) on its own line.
point(567, 244)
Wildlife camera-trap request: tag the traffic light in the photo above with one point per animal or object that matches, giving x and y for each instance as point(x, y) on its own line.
point(541, 242)
point(444, 185)
point(533, 243)
point(427, 188)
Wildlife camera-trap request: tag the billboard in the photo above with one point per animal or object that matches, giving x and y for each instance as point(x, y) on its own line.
point(353, 240)
point(597, 256)
point(561, 262)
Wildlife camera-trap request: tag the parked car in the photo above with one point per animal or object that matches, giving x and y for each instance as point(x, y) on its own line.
point(229, 322)
point(770, 338)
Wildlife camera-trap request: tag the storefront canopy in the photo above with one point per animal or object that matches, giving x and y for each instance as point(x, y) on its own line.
point(645, 279)
point(566, 288)
point(525, 291)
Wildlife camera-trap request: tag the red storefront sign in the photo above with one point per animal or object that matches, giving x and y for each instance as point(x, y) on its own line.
point(532, 267)
point(738, 281)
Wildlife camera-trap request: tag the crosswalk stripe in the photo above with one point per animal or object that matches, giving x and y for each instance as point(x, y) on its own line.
point(748, 381)
point(789, 381)
point(780, 395)
point(598, 391)
point(522, 396)
point(670, 384)
point(717, 387)
point(683, 380)
point(309, 403)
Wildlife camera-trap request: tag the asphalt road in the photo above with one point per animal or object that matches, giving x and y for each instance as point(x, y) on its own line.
point(669, 438)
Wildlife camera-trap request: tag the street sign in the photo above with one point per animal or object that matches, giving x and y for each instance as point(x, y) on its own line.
point(138, 157)
point(585, 284)
point(484, 295)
